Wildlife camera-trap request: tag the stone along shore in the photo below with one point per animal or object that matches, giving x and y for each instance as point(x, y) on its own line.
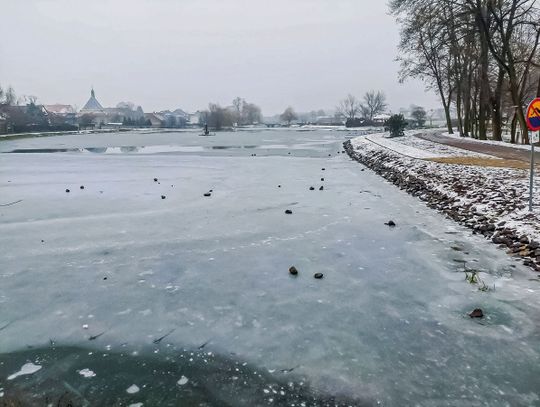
point(490, 201)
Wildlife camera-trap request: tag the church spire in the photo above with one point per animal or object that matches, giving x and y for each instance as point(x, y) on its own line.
point(92, 105)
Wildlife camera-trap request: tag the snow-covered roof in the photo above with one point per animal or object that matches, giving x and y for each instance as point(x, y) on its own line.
point(159, 116)
point(180, 112)
point(59, 109)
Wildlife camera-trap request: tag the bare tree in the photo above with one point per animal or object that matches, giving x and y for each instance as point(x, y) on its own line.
point(251, 113)
point(288, 115)
point(480, 55)
point(423, 48)
point(516, 23)
point(218, 117)
point(245, 113)
point(238, 103)
point(374, 104)
point(349, 107)
point(9, 97)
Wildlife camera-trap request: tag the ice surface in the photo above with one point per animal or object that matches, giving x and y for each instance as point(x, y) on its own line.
point(388, 322)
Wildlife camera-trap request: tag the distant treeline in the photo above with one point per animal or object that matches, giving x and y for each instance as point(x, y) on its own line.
point(240, 113)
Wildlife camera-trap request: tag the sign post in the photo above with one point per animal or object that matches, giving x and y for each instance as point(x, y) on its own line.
point(533, 121)
point(531, 185)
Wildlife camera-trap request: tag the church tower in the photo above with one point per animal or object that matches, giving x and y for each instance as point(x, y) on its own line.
point(92, 106)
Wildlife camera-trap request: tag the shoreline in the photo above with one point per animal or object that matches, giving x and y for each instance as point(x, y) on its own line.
point(463, 196)
point(142, 130)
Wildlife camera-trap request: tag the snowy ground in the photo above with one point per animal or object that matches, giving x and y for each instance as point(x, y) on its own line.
point(414, 147)
point(122, 274)
point(505, 143)
point(439, 150)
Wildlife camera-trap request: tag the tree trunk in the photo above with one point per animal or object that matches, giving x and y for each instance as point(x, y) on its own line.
point(496, 123)
point(484, 87)
point(467, 121)
point(474, 111)
point(459, 113)
point(474, 122)
point(446, 105)
point(467, 103)
point(523, 124)
point(466, 117)
point(513, 129)
point(448, 118)
point(496, 114)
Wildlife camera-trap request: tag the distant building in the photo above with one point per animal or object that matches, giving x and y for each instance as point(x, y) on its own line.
point(194, 119)
point(175, 119)
point(59, 109)
point(381, 118)
point(59, 114)
point(329, 121)
point(155, 119)
point(92, 114)
point(124, 114)
point(92, 106)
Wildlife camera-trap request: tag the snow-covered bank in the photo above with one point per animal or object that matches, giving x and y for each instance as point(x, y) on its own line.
point(491, 201)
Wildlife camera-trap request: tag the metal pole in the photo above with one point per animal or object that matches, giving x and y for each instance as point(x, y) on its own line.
point(531, 187)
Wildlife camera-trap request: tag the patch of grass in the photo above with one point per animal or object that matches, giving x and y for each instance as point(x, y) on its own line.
point(473, 278)
point(482, 162)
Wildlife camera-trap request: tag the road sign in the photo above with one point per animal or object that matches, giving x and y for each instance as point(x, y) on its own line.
point(533, 115)
point(533, 121)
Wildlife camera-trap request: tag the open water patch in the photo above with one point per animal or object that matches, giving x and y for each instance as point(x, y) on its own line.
point(165, 377)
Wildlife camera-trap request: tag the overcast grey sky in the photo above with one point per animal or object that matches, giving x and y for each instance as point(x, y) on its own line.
point(184, 53)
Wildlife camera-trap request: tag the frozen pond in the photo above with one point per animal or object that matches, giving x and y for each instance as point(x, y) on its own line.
point(121, 297)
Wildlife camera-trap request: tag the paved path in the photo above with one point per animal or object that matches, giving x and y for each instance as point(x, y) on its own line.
point(506, 152)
